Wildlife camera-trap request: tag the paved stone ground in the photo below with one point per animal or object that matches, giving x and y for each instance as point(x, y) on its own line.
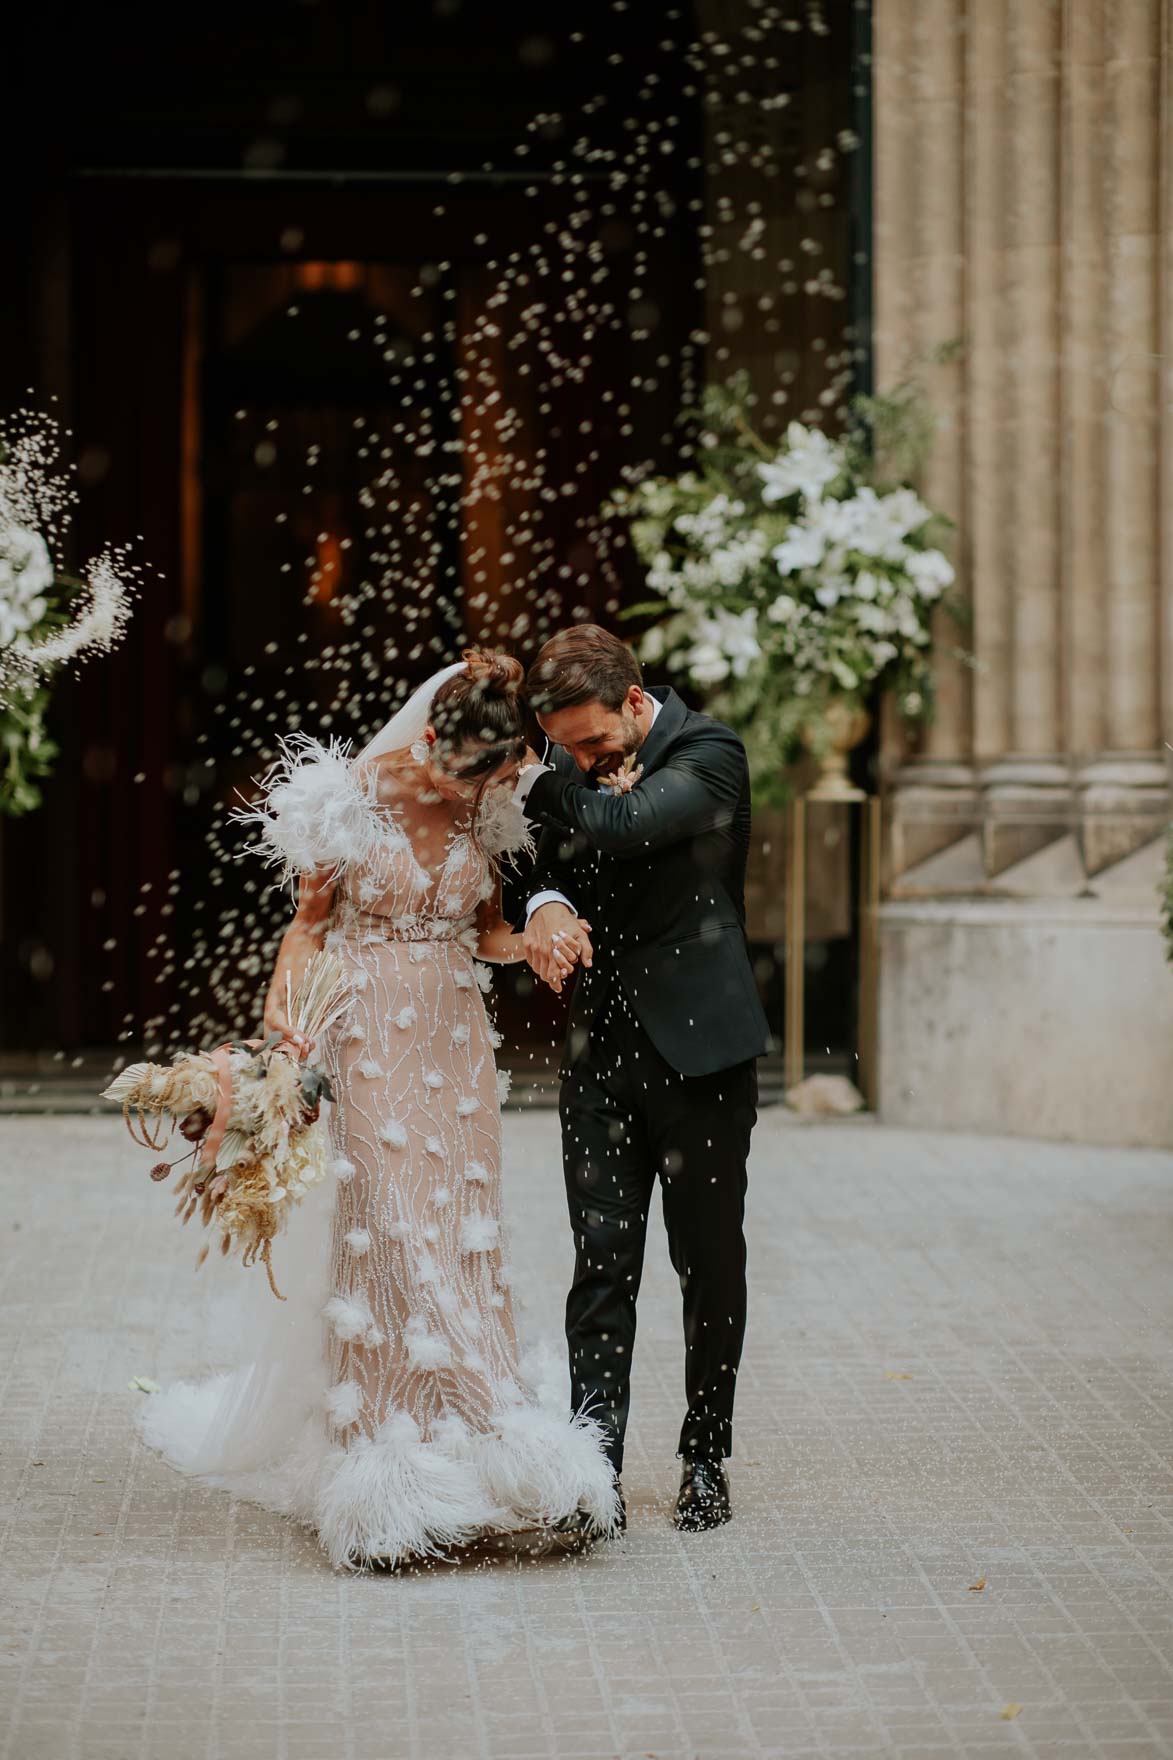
point(959, 1372)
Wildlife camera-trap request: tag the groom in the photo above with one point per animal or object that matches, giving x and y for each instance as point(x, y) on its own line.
point(645, 813)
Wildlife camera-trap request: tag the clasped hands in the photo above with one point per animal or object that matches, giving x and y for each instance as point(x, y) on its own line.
point(554, 942)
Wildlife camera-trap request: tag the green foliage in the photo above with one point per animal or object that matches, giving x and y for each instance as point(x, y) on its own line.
point(26, 751)
point(890, 434)
point(1167, 897)
point(774, 726)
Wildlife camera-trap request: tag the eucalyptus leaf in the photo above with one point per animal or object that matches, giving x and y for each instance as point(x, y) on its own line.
point(315, 1085)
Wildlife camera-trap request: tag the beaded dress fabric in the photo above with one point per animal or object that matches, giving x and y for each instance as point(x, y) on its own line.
point(423, 1428)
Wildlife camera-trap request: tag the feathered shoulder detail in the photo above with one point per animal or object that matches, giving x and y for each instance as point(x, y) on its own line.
point(318, 810)
point(501, 825)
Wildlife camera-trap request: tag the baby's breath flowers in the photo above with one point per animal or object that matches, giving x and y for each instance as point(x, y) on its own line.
point(48, 618)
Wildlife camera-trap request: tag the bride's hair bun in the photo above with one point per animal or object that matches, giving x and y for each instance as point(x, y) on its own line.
point(493, 672)
point(483, 706)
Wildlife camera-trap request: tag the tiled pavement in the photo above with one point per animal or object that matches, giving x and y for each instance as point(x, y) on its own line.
point(959, 1371)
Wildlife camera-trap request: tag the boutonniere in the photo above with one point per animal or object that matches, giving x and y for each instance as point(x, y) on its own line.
point(623, 780)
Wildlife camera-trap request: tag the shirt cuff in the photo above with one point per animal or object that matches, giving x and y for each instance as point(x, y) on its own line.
point(540, 898)
point(525, 781)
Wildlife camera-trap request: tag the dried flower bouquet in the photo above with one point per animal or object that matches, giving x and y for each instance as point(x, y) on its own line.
point(251, 1110)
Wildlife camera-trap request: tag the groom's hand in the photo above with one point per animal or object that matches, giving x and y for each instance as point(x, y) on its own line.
point(555, 941)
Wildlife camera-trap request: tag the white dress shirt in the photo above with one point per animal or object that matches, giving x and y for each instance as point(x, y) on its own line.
point(524, 783)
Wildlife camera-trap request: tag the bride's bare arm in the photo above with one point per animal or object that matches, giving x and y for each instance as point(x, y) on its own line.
point(302, 939)
point(496, 941)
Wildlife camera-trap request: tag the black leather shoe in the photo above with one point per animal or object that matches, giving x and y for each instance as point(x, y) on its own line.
point(579, 1529)
point(704, 1496)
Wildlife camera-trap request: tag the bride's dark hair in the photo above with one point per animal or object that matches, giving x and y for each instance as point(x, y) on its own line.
point(483, 706)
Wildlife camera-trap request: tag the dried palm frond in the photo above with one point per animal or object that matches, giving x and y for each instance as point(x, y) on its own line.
point(320, 997)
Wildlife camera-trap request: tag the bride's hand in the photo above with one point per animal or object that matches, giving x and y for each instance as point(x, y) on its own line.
point(555, 941)
point(575, 948)
point(275, 1022)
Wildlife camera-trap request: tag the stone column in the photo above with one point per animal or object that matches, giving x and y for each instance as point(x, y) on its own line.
point(1122, 786)
point(1165, 368)
point(1022, 166)
point(920, 305)
point(1083, 546)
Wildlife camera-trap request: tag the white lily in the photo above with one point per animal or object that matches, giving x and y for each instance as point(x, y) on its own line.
point(808, 464)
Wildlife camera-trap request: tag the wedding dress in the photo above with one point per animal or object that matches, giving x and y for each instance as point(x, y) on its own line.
point(385, 1403)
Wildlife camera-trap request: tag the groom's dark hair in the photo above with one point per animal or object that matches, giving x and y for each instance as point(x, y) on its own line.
point(584, 664)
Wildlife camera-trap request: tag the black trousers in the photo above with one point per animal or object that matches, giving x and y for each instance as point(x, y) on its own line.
point(628, 1117)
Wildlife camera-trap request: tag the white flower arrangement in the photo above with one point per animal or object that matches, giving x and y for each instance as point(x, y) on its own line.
point(788, 578)
point(47, 618)
point(26, 579)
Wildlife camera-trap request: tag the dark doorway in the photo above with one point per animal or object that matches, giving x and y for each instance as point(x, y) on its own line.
point(239, 383)
point(264, 259)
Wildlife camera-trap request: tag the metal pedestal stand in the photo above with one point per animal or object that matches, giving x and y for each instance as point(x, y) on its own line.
point(869, 944)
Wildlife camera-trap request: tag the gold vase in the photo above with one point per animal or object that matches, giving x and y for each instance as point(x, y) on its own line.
point(839, 730)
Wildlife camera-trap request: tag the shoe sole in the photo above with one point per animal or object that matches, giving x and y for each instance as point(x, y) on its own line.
point(701, 1527)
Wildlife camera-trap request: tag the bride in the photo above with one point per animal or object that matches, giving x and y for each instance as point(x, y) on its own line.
point(385, 1404)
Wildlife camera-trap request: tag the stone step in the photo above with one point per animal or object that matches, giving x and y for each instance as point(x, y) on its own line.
point(41, 1087)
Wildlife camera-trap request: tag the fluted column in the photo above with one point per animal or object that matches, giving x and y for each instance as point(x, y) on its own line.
point(987, 159)
point(1052, 197)
point(1122, 785)
point(1165, 371)
point(1024, 777)
point(1083, 547)
point(1031, 237)
point(920, 304)
point(1133, 170)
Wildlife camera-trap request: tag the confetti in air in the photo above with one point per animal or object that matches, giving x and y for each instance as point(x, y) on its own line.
point(681, 223)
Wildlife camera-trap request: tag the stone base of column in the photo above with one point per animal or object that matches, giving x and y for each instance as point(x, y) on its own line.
point(955, 831)
point(1023, 981)
point(1028, 1017)
point(1123, 802)
point(1026, 804)
point(932, 804)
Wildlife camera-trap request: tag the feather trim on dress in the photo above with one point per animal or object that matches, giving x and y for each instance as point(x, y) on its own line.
point(401, 1494)
point(318, 811)
point(398, 1498)
point(501, 826)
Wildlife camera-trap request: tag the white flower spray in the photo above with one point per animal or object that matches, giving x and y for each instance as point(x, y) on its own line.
point(48, 618)
point(789, 578)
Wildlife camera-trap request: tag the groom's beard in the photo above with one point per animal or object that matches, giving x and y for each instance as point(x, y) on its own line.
point(632, 738)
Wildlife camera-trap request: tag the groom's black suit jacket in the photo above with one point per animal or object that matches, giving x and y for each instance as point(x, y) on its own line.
point(659, 873)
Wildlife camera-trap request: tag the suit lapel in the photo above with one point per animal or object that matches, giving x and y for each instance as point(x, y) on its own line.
point(654, 750)
point(666, 726)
